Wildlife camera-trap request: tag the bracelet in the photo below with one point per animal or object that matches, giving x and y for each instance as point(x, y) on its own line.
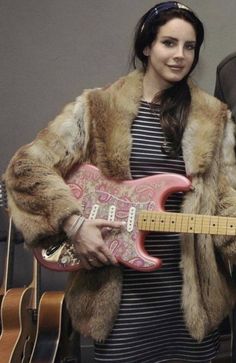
point(75, 227)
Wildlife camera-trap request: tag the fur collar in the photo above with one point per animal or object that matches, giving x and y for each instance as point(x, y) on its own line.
point(205, 128)
point(118, 104)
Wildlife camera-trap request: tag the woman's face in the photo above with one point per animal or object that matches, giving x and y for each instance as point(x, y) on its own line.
point(171, 55)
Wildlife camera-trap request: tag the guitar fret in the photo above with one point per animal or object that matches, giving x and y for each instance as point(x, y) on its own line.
point(165, 223)
point(186, 223)
point(214, 224)
point(152, 221)
point(173, 222)
point(231, 226)
point(198, 224)
point(179, 222)
point(206, 225)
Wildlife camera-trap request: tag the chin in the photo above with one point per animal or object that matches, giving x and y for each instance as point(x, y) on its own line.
point(175, 79)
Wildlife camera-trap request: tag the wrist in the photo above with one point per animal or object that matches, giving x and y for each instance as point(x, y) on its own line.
point(72, 225)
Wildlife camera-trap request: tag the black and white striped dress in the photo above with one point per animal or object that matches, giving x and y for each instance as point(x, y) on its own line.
point(150, 326)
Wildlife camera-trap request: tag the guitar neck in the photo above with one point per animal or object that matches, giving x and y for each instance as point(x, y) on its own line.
point(35, 284)
point(8, 271)
point(186, 223)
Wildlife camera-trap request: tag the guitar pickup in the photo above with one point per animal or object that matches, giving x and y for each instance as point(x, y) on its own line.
point(94, 211)
point(131, 219)
point(111, 213)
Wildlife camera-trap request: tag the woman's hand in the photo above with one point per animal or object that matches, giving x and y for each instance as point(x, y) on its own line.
point(90, 245)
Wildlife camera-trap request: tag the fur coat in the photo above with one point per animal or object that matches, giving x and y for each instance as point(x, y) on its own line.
point(96, 129)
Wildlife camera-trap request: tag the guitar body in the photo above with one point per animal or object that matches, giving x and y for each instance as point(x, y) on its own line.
point(100, 197)
point(1, 297)
point(48, 335)
point(16, 321)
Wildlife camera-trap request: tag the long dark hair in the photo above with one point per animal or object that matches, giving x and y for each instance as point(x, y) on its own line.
point(176, 100)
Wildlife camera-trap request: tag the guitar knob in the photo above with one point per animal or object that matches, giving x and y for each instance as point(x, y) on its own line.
point(65, 260)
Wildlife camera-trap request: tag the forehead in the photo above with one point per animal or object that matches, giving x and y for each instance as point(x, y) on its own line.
point(177, 28)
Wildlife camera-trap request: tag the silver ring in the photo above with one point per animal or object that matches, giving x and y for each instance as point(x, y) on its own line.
point(90, 259)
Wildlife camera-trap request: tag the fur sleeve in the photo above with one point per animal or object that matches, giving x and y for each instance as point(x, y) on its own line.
point(226, 208)
point(227, 189)
point(38, 198)
point(228, 150)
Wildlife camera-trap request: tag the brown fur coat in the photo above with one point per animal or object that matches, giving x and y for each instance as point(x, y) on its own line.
point(96, 128)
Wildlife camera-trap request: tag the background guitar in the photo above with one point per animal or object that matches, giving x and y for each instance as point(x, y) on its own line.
point(7, 279)
point(53, 342)
point(16, 310)
point(30, 329)
point(20, 311)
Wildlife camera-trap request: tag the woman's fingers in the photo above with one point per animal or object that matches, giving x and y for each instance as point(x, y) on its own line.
point(104, 223)
point(106, 253)
point(84, 263)
point(89, 262)
point(90, 243)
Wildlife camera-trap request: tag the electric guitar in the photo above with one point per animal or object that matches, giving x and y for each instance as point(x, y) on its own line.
point(140, 204)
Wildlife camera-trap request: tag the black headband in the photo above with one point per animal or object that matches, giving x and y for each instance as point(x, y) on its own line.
point(163, 7)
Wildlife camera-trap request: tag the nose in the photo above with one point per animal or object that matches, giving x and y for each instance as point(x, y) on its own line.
point(179, 54)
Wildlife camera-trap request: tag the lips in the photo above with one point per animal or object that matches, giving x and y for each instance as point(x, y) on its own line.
point(176, 68)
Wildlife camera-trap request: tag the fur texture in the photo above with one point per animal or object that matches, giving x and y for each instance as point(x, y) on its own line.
point(96, 128)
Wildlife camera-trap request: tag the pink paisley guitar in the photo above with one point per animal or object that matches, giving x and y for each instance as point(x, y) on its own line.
point(140, 203)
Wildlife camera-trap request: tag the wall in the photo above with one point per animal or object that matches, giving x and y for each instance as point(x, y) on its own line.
point(52, 49)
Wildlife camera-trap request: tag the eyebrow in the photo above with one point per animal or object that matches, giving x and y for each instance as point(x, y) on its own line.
point(175, 39)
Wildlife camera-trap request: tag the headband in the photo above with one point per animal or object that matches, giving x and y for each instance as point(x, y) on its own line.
point(163, 7)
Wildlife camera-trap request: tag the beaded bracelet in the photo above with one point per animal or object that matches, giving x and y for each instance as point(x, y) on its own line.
point(75, 227)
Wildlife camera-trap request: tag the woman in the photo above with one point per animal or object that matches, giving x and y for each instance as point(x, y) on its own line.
point(154, 120)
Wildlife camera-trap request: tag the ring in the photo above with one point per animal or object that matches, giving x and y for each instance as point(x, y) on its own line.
point(90, 259)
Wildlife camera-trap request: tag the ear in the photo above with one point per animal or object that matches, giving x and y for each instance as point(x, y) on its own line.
point(146, 51)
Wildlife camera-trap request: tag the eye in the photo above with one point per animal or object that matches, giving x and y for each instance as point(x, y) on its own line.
point(190, 46)
point(168, 43)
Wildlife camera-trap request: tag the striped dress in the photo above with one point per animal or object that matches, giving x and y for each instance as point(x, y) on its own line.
point(150, 327)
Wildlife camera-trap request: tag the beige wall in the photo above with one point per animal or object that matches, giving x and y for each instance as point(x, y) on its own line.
point(52, 49)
